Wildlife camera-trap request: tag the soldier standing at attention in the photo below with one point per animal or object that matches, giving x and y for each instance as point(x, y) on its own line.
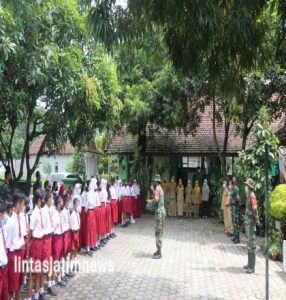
point(159, 214)
point(251, 219)
point(235, 204)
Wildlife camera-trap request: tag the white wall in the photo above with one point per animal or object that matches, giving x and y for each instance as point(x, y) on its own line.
point(60, 160)
point(91, 165)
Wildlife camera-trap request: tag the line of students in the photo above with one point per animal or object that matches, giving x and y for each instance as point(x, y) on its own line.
point(59, 226)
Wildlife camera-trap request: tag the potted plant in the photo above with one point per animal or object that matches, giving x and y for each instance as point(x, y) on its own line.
point(274, 251)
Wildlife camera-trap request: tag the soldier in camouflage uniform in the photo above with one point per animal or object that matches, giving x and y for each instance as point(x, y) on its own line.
point(235, 204)
point(159, 214)
point(250, 221)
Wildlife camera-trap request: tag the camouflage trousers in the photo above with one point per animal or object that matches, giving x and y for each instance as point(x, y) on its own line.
point(235, 218)
point(250, 231)
point(160, 216)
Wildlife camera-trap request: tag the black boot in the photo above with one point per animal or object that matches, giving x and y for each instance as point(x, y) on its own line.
point(236, 240)
point(251, 268)
point(247, 266)
point(157, 255)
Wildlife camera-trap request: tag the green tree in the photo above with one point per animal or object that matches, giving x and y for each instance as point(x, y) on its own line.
point(251, 161)
point(54, 80)
point(69, 166)
point(79, 162)
point(47, 167)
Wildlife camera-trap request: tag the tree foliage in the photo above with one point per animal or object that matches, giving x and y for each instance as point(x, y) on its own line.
point(55, 81)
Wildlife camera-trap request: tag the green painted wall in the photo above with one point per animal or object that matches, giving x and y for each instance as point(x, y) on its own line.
point(123, 167)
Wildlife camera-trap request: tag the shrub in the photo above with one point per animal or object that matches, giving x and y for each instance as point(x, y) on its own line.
point(277, 207)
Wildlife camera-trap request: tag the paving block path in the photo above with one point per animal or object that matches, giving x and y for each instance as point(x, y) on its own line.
point(199, 262)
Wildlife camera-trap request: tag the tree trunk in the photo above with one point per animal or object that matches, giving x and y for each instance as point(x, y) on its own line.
point(219, 153)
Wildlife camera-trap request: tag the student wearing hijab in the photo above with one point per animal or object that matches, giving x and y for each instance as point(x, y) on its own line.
point(180, 197)
point(205, 198)
point(188, 200)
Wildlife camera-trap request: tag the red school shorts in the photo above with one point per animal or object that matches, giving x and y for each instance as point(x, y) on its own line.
point(4, 286)
point(36, 254)
point(47, 249)
point(66, 242)
point(57, 246)
point(75, 240)
point(15, 272)
point(25, 250)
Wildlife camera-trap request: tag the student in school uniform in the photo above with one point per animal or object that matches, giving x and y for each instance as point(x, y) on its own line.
point(133, 202)
point(124, 204)
point(129, 202)
point(47, 240)
point(57, 240)
point(114, 206)
point(83, 198)
point(4, 284)
point(14, 233)
point(118, 188)
point(66, 218)
point(26, 229)
point(75, 241)
point(137, 200)
point(98, 213)
point(105, 210)
point(108, 212)
point(90, 218)
point(36, 235)
point(77, 195)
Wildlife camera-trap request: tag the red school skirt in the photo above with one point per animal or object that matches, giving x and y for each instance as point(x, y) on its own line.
point(134, 206)
point(127, 204)
point(75, 245)
point(114, 211)
point(82, 237)
point(90, 228)
point(119, 205)
point(57, 246)
point(139, 206)
point(100, 219)
point(108, 219)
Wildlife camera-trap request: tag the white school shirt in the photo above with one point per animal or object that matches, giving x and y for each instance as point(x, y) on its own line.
point(128, 191)
point(25, 223)
point(14, 240)
point(3, 254)
point(103, 196)
point(124, 191)
point(133, 191)
point(113, 195)
point(83, 199)
point(75, 221)
point(97, 199)
point(118, 189)
point(90, 203)
point(37, 223)
point(48, 217)
point(57, 223)
point(66, 219)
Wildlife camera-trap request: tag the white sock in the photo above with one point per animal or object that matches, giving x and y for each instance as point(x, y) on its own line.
point(36, 296)
point(59, 278)
point(67, 267)
point(29, 298)
point(42, 290)
point(25, 280)
point(87, 248)
point(49, 284)
point(53, 282)
point(63, 270)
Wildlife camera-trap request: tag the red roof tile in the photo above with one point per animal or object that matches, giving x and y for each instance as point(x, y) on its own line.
point(35, 147)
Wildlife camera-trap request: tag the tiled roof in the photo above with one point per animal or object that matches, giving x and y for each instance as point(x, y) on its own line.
point(161, 141)
point(35, 147)
point(68, 148)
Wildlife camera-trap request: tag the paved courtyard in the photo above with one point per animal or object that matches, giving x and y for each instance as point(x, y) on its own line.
point(199, 262)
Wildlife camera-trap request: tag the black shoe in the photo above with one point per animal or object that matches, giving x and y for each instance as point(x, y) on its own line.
point(247, 266)
point(108, 238)
point(251, 268)
point(52, 291)
point(64, 279)
point(113, 235)
point(92, 249)
point(88, 253)
point(61, 284)
point(42, 296)
point(104, 242)
point(157, 255)
point(236, 240)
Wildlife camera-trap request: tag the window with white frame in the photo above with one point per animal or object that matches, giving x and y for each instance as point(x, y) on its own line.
point(191, 162)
